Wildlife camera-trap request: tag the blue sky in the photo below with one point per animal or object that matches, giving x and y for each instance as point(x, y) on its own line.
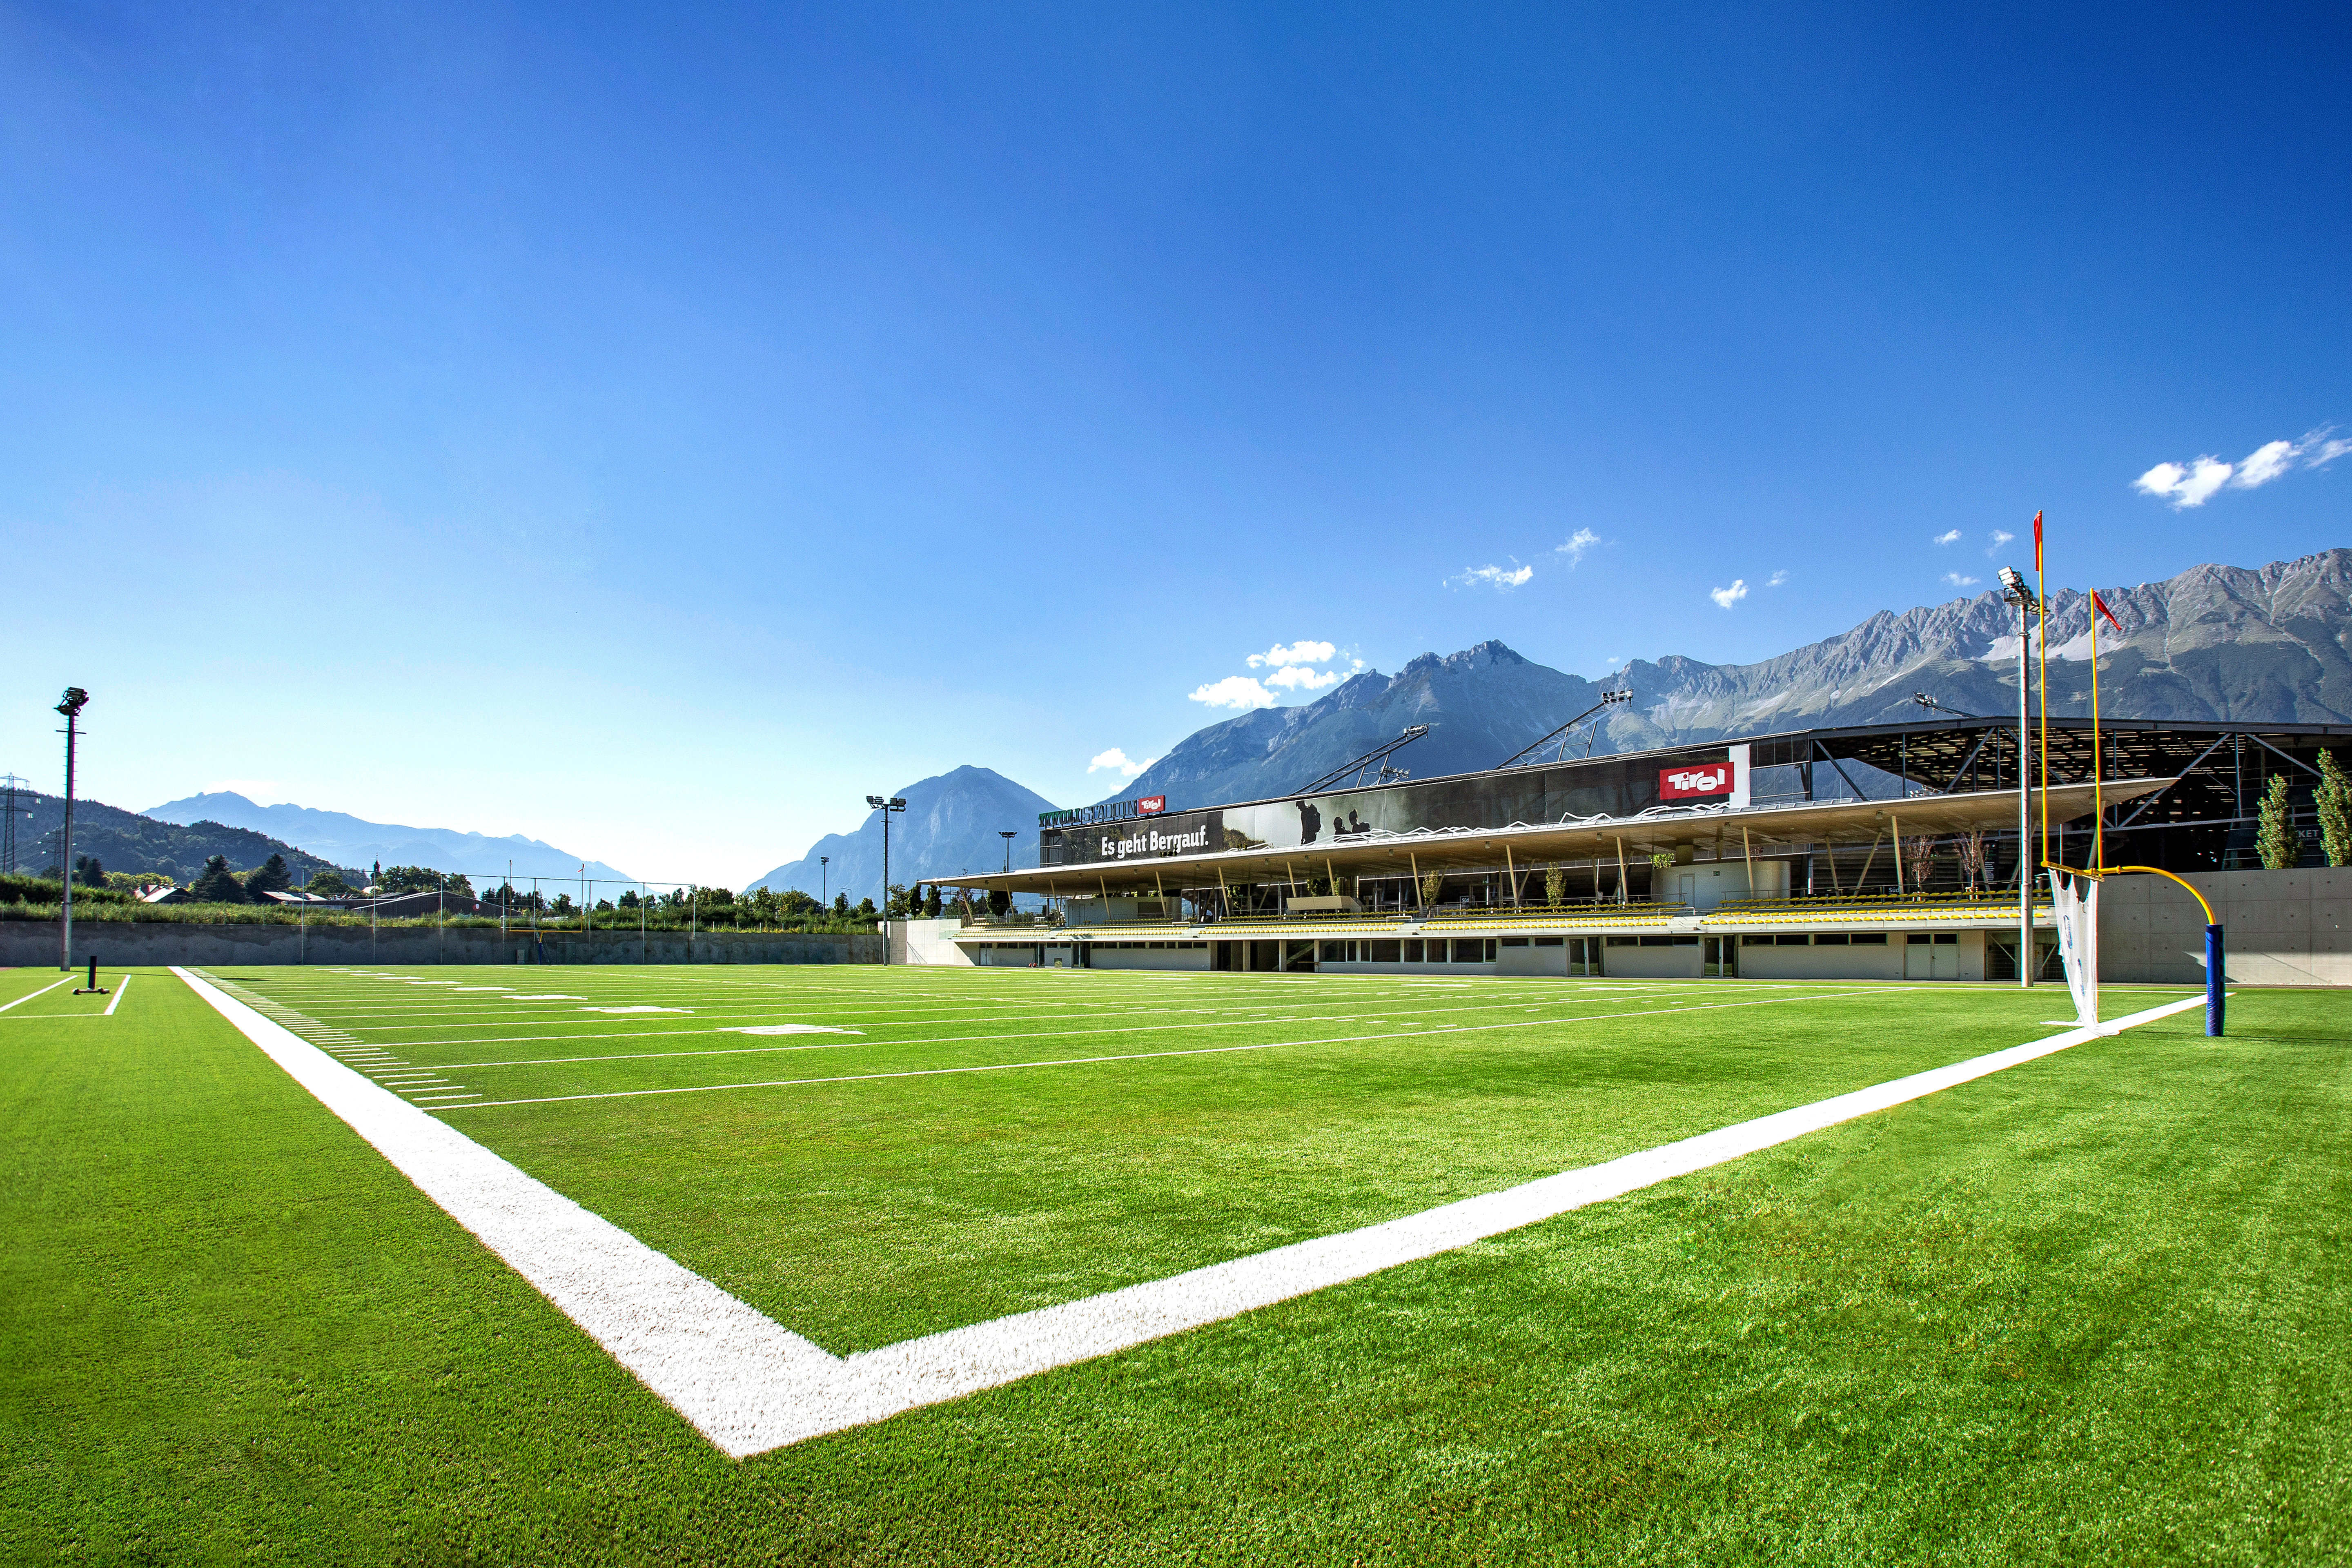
point(653, 430)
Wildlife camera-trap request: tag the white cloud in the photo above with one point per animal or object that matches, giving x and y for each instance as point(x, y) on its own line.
point(1727, 598)
point(1951, 538)
point(2001, 536)
point(1234, 691)
point(1299, 678)
point(1114, 758)
point(1583, 540)
point(1306, 651)
point(1493, 577)
point(2193, 483)
point(1775, 580)
point(2205, 476)
point(2263, 464)
point(1956, 581)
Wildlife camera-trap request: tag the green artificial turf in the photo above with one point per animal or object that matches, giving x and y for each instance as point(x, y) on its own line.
point(864, 1211)
point(2087, 1308)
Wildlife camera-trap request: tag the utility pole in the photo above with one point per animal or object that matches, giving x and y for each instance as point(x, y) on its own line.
point(2014, 590)
point(70, 705)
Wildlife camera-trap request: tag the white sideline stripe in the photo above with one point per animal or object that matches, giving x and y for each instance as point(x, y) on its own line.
point(749, 1385)
point(28, 995)
point(707, 1354)
point(120, 987)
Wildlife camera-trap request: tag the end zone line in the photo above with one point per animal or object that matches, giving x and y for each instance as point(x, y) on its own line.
point(120, 987)
point(693, 1344)
point(749, 1385)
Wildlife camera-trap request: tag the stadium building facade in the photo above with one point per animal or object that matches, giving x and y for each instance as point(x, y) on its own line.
point(1878, 852)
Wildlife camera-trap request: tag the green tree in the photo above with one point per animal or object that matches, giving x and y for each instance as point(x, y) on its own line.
point(270, 877)
point(1555, 886)
point(931, 902)
point(217, 884)
point(865, 910)
point(1000, 902)
point(328, 884)
point(2274, 831)
point(841, 903)
point(2333, 798)
point(87, 872)
point(1430, 886)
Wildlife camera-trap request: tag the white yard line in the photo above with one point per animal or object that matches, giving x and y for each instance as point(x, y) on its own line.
point(749, 1385)
point(120, 987)
point(1160, 1024)
point(28, 995)
point(1412, 1034)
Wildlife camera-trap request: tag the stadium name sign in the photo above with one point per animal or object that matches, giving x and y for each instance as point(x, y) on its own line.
point(1155, 843)
point(1109, 811)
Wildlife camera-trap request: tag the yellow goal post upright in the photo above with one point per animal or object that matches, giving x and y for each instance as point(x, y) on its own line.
point(2216, 942)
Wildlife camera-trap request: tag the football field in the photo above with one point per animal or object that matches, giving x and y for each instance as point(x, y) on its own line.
point(1165, 1266)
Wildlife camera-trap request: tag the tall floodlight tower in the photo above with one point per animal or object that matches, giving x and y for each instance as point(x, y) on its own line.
point(9, 828)
point(896, 803)
point(70, 705)
point(1007, 834)
point(824, 880)
point(2014, 590)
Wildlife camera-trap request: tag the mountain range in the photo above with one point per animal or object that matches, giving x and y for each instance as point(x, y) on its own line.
point(2215, 642)
point(349, 840)
point(952, 824)
point(123, 841)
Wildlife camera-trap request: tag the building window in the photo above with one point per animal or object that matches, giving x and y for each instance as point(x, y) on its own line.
point(1385, 951)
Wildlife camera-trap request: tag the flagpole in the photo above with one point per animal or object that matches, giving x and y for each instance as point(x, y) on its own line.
point(2098, 771)
point(2042, 656)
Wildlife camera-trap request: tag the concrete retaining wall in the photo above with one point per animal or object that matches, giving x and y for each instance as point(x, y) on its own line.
point(26, 943)
point(2284, 928)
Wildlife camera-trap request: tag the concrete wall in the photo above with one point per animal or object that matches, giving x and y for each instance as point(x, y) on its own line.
point(1104, 957)
point(1681, 961)
point(27, 943)
point(2282, 928)
point(926, 941)
point(1848, 962)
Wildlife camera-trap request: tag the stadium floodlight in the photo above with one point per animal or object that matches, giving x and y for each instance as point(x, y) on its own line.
point(1007, 834)
point(2014, 590)
point(1923, 701)
point(896, 803)
point(70, 705)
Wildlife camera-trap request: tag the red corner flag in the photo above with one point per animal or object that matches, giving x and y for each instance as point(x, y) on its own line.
point(2037, 541)
point(2101, 606)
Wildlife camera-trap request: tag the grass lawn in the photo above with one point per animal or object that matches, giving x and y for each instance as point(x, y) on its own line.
point(2091, 1306)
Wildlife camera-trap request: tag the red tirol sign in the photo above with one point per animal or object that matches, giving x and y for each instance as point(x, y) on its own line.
point(1150, 806)
point(1696, 780)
